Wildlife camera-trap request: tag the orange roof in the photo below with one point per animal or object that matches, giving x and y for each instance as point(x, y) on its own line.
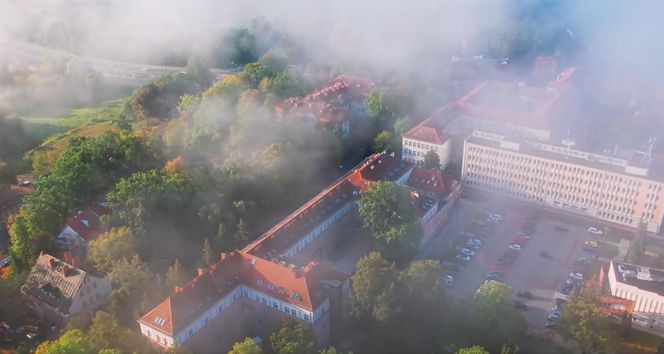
point(87, 223)
point(302, 287)
point(430, 130)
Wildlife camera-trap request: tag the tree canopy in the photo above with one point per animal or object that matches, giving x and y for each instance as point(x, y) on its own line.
point(584, 321)
point(390, 215)
point(291, 337)
point(247, 346)
point(109, 247)
point(374, 288)
point(495, 316)
point(431, 160)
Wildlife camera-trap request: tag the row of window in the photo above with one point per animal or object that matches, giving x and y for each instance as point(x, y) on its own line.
point(418, 145)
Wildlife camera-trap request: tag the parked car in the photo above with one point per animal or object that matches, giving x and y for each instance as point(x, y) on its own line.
point(448, 280)
point(566, 289)
point(576, 276)
point(584, 261)
point(467, 252)
point(462, 258)
point(473, 246)
point(549, 323)
point(595, 231)
point(450, 267)
point(510, 253)
point(524, 294)
point(498, 276)
point(553, 316)
point(496, 216)
point(32, 336)
point(499, 268)
point(515, 247)
point(520, 240)
point(520, 305)
point(560, 228)
point(507, 261)
point(524, 232)
point(475, 241)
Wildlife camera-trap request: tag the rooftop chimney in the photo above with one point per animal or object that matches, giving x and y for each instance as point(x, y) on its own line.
point(52, 262)
point(178, 289)
point(200, 271)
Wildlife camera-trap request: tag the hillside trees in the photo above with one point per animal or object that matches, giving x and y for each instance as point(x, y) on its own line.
point(87, 168)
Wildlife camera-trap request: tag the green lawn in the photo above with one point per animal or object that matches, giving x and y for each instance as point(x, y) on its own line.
point(55, 132)
point(42, 128)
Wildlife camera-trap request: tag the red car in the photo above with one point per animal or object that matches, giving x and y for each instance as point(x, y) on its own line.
point(521, 239)
point(499, 268)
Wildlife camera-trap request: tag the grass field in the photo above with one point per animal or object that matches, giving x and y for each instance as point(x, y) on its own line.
point(81, 122)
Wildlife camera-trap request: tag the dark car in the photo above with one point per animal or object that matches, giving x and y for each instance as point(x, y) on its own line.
point(507, 261)
point(560, 228)
point(525, 294)
point(498, 276)
point(511, 253)
point(520, 305)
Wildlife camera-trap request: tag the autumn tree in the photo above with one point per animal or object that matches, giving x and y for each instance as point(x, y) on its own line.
point(473, 350)
point(584, 321)
point(71, 342)
point(291, 337)
point(431, 160)
point(176, 165)
point(109, 247)
point(247, 346)
point(390, 215)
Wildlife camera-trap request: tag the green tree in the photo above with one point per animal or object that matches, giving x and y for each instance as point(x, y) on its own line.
point(636, 248)
point(402, 125)
point(390, 215)
point(495, 316)
point(273, 62)
point(187, 105)
point(584, 321)
point(176, 276)
point(132, 276)
point(431, 160)
point(247, 346)
point(105, 333)
point(109, 247)
point(253, 73)
point(71, 342)
point(208, 253)
point(291, 337)
point(229, 87)
point(385, 141)
point(422, 279)
point(473, 350)
point(373, 288)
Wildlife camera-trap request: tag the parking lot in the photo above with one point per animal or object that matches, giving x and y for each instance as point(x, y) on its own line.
point(541, 267)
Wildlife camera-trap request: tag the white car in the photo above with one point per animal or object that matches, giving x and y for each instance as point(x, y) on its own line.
point(463, 258)
point(515, 247)
point(467, 252)
point(496, 217)
point(474, 241)
point(448, 281)
point(576, 276)
point(595, 231)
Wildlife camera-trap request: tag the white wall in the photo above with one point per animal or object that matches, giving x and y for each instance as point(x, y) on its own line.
point(644, 301)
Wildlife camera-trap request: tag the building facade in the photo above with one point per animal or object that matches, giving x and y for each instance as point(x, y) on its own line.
point(602, 187)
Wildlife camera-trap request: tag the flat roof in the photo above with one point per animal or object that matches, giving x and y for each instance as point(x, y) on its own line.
point(645, 278)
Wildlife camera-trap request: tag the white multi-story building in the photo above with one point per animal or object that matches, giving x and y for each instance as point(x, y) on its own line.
point(607, 188)
point(642, 285)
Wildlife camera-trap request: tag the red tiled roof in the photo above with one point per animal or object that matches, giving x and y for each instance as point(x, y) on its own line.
point(302, 287)
point(327, 103)
point(430, 130)
point(87, 223)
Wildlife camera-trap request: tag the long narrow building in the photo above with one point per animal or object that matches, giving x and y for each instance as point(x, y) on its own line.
point(279, 274)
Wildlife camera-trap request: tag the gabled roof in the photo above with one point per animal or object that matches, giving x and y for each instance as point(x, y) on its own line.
point(302, 287)
point(428, 180)
point(87, 223)
point(54, 282)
